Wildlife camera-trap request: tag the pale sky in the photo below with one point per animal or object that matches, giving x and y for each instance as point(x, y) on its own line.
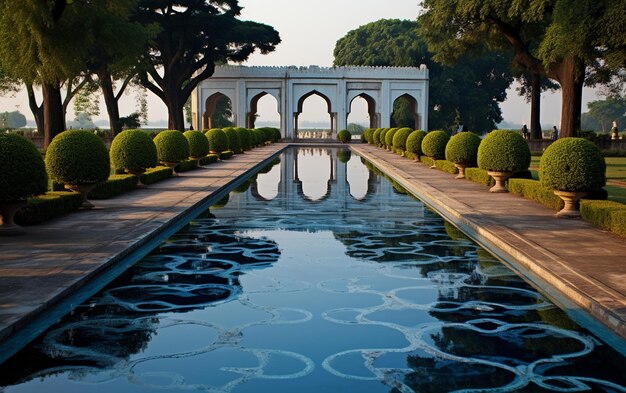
point(309, 31)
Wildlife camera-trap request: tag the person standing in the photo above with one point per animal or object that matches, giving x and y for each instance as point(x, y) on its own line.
point(555, 133)
point(614, 130)
point(525, 132)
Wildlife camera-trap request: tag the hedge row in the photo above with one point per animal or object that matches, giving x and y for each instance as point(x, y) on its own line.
point(47, 206)
point(532, 189)
point(186, 166)
point(157, 174)
point(115, 185)
point(607, 215)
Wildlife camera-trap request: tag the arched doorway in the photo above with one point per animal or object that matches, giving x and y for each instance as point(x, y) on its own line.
point(405, 112)
point(362, 114)
point(218, 112)
point(264, 111)
point(311, 125)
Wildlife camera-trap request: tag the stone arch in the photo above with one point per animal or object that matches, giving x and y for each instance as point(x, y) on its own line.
point(253, 106)
point(210, 105)
point(300, 104)
point(413, 107)
point(372, 108)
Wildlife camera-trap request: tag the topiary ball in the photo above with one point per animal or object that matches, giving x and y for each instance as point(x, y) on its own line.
point(383, 133)
point(244, 138)
point(400, 137)
point(434, 144)
point(23, 171)
point(198, 144)
point(573, 164)
point(344, 155)
point(276, 136)
point(463, 149)
point(368, 135)
point(503, 151)
point(133, 150)
point(257, 136)
point(344, 136)
point(376, 136)
point(77, 157)
point(172, 146)
point(389, 137)
point(234, 143)
point(414, 142)
point(218, 141)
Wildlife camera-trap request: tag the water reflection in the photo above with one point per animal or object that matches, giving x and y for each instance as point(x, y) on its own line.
point(340, 293)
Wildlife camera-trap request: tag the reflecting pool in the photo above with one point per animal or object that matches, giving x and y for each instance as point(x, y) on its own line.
point(317, 275)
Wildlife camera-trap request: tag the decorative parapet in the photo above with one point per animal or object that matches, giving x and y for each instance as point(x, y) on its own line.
point(413, 73)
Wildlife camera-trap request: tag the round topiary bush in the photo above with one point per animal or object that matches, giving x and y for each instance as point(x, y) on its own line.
point(414, 142)
point(276, 136)
point(383, 133)
point(133, 151)
point(389, 137)
point(376, 136)
point(23, 171)
point(434, 144)
point(344, 155)
point(368, 135)
point(400, 137)
point(503, 151)
point(234, 143)
point(172, 146)
point(344, 136)
point(573, 164)
point(244, 138)
point(258, 136)
point(77, 157)
point(198, 144)
point(218, 141)
point(462, 149)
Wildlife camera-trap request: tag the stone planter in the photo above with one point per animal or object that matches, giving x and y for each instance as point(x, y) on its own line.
point(138, 173)
point(8, 227)
point(433, 165)
point(461, 168)
point(570, 198)
point(172, 165)
point(500, 178)
point(84, 190)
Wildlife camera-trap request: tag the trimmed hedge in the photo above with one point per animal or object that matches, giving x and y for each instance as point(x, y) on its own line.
point(389, 137)
point(234, 142)
point(208, 159)
point(187, 165)
point(400, 137)
point(23, 172)
point(368, 135)
point(534, 190)
point(47, 206)
point(504, 151)
point(607, 215)
point(376, 136)
point(226, 155)
point(157, 174)
point(414, 142)
point(344, 155)
point(344, 136)
point(77, 157)
point(133, 150)
point(463, 149)
point(172, 146)
point(479, 176)
point(434, 144)
point(198, 144)
point(218, 141)
point(572, 164)
point(245, 138)
point(383, 137)
point(115, 185)
point(442, 165)
point(275, 135)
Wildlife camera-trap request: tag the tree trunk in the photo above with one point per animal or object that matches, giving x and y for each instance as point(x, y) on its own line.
point(36, 109)
point(53, 118)
point(113, 110)
point(176, 118)
point(535, 107)
point(571, 73)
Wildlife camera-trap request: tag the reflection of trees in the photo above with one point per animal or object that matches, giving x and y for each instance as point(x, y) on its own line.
point(121, 320)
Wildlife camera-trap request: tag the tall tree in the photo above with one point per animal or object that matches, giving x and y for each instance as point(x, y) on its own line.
point(531, 87)
point(540, 33)
point(474, 86)
point(195, 35)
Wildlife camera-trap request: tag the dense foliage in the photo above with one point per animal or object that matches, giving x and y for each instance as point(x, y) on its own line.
point(463, 149)
point(77, 157)
point(234, 142)
point(23, 171)
point(172, 146)
point(572, 164)
point(245, 138)
point(198, 144)
point(344, 136)
point(414, 142)
point(434, 144)
point(400, 137)
point(133, 150)
point(218, 141)
point(503, 151)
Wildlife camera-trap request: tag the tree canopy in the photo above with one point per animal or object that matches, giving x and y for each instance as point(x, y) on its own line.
point(474, 85)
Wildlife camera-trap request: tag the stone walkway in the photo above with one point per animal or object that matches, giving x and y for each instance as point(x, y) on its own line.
point(54, 259)
point(582, 262)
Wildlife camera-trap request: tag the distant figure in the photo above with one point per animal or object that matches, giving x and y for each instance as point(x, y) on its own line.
point(555, 133)
point(525, 133)
point(614, 130)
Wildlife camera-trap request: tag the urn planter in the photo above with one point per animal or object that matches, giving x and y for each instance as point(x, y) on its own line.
point(138, 173)
point(570, 198)
point(461, 168)
point(171, 164)
point(500, 178)
point(8, 227)
point(84, 190)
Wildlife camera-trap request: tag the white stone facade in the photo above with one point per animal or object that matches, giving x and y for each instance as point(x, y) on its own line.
point(290, 86)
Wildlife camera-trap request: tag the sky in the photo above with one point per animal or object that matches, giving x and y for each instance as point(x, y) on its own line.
point(309, 31)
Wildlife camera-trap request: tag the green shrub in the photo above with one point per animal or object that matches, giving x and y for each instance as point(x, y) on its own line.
point(479, 176)
point(226, 155)
point(133, 150)
point(208, 159)
point(376, 136)
point(115, 185)
point(533, 190)
point(47, 206)
point(172, 146)
point(463, 149)
point(442, 165)
point(434, 144)
point(368, 135)
point(618, 222)
point(243, 187)
point(186, 165)
point(344, 155)
point(344, 136)
point(400, 137)
point(389, 137)
point(275, 134)
point(198, 144)
point(572, 164)
point(259, 137)
point(77, 157)
point(244, 138)
point(383, 136)
point(218, 141)
point(268, 133)
point(23, 172)
point(157, 174)
point(234, 143)
point(414, 142)
point(504, 151)
point(603, 214)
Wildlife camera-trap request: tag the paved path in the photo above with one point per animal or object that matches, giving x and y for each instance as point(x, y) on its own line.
point(582, 262)
point(42, 268)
